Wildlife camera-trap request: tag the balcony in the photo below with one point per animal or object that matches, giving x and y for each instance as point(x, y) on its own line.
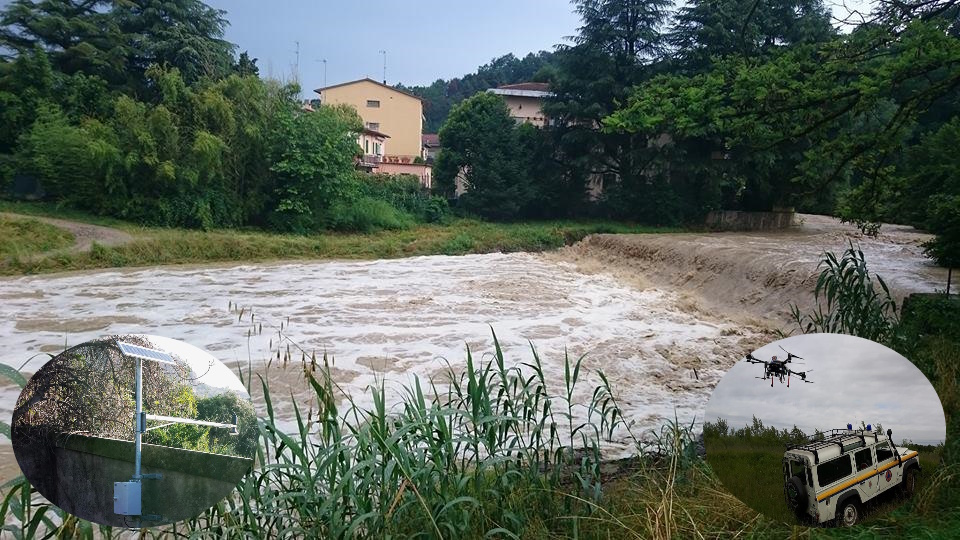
point(370, 160)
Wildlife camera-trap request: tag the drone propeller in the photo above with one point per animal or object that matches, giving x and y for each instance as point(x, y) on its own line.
point(790, 355)
point(753, 360)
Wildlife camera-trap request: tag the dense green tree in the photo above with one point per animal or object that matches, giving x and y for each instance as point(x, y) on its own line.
point(78, 35)
point(480, 143)
point(221, 408)
point(118, 41)
point(313, 159)
point(182, 34)
point(246, 66)
point(555, 191)
point(615, 49)
point(25, 84)
point(810, 118)
point(706, 29)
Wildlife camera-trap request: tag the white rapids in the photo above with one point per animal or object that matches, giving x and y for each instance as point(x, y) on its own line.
point(393, 319)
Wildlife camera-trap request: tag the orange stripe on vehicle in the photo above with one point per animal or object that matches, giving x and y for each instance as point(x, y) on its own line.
point(861, 478)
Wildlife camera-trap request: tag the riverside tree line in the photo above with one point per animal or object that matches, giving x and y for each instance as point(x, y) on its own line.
point(141, 110)
point(737, 104)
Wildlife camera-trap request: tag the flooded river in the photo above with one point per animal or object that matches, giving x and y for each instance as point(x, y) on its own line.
point(662, 343)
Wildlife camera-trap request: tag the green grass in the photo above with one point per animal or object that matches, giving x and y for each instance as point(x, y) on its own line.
point(21, 237)
point(46, 209)
point(753, 473)
point(153, 246)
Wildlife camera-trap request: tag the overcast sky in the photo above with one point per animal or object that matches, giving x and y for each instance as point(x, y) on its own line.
point(854, 380)
point(205, 369)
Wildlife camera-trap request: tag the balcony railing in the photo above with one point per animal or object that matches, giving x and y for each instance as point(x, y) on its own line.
point(371, 159)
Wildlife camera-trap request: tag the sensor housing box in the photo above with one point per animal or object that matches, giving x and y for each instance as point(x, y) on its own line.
point(126, 498)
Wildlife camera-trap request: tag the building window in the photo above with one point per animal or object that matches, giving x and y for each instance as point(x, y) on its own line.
point(373, 125)
point(376, 148)
point(366, 146)
point(374, 103)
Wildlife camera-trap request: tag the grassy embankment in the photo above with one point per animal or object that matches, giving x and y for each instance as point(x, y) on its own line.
point(152, 246)
point(27, 237)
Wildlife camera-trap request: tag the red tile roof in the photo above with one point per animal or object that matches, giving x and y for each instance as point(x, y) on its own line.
point(430, 139)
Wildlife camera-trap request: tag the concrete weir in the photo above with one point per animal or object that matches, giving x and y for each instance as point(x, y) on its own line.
point(80, 471)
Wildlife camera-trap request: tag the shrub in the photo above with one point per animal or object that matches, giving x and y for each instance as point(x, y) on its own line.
point(848, 302)
point(366, 214)
point(405, 192)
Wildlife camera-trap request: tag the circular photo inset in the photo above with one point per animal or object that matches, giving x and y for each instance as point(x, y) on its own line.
point(824, 430)
point(134, 431)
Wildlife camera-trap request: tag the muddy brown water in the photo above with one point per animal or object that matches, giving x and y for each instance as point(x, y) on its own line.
point(663, 316)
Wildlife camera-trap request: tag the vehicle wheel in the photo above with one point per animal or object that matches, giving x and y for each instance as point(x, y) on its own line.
point(796, 497)
point(849, 514)
point(910, 483)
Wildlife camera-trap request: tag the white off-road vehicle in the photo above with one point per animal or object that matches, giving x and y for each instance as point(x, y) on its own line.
point(833, 477)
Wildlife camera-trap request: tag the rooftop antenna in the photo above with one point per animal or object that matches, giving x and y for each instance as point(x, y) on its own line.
point(324, 60)
point(128, 496)
point(296, 72)
point(384, 53)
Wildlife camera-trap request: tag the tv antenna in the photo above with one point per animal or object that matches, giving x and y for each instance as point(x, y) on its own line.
point(324, 60)
point(384, 53)
point(296, 69)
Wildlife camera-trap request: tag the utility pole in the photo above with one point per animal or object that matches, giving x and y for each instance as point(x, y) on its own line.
point(384, 53)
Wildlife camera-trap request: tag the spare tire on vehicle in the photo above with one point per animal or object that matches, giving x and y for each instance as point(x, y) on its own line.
point(796, 493)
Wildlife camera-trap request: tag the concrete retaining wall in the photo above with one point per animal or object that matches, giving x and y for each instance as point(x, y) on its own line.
point(87, 467)
point(736, 220)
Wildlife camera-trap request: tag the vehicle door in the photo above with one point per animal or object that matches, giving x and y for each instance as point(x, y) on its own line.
point(887, 466)
point(866, 468)
point(834, 476)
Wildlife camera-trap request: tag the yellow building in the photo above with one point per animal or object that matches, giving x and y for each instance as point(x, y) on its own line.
point(525, 101)
point(384, 109)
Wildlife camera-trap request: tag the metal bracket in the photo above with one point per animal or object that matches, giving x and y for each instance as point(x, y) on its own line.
point(152, 476)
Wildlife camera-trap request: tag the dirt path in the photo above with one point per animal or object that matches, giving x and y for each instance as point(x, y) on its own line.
point(84, 233)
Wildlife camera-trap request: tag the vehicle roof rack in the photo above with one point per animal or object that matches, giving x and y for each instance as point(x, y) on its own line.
point(839, 437)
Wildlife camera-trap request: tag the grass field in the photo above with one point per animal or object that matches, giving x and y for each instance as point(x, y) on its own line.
point(26, 237)
point(153, 246)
